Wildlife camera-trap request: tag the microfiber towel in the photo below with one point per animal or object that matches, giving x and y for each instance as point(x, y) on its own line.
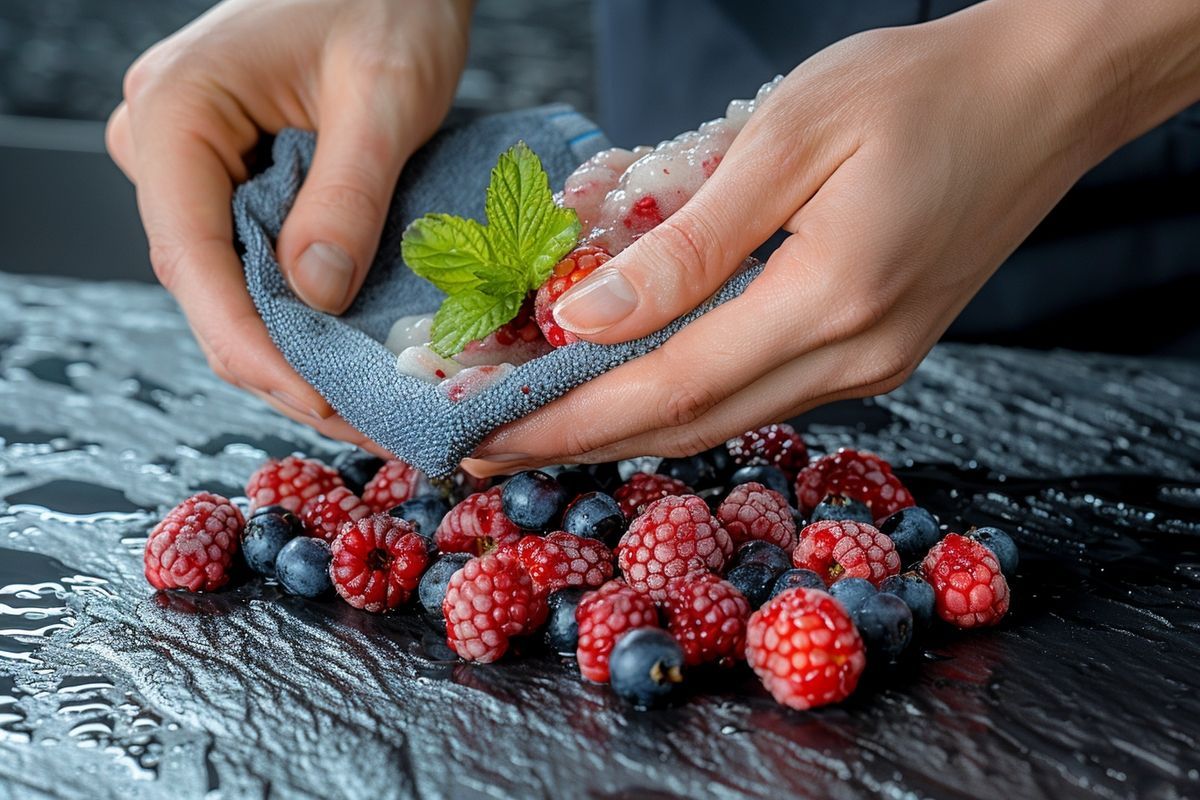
point(344, 358)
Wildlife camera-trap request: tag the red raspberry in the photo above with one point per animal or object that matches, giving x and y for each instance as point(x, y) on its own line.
point(643, 216)
point(604, 616)
point(752, 511)
point(777, 445)
point(968, 585)
point(488, 601)
point(377, 562)
point(560, 559)
point(673, 538)
point(707, 616)
point(193, 546)
point(290, 483)
point(836, 549)
point(862, 476)
point(643, 488)
point(326, 514)
point(476, 525)
point(395, 482)
point(521, 328)
point(575, 266)
point(805, 649)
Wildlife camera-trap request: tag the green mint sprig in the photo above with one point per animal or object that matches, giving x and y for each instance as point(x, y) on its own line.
point(487, 270)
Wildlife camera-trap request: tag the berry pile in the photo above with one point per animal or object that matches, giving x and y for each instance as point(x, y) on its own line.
point(640, 585)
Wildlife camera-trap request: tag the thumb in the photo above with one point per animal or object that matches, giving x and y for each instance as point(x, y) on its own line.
point(330, 236)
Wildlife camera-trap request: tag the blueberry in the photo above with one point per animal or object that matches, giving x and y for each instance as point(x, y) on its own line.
point(424, 512)
point(269, 510)
point(356, 467)
point(1002, 545)
point(768, 476)
point(852, 592)
point(595, 515)
point(914, 530)
point(696, 471)
point(606, 474)
point(302, 567)
point(431, 591)
point(805, 578)
point(576, 481)
point(265, 534)
point(533, 500)
point(839, 507)
point(646, 667)
point(769, 555)
point(916, 594)
point(885, 624)
point(755, 581)
point(562, 631)
point(722, 463)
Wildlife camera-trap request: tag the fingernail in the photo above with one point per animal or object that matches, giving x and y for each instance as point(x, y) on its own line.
point(323, 275)
point(596, 304)
point(296, 405)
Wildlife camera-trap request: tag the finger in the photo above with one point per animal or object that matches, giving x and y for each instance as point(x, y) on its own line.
point(329, 238)
point(184, 190)
point(118, 140)
point(675, 266)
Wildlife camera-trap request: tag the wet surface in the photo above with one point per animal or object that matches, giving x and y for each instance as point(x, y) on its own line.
point(1089, 688)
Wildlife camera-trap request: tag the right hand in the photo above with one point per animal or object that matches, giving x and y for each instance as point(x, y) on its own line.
point(373, 77)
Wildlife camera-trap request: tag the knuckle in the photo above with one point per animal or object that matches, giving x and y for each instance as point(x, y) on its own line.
point(688, 242)
point(579, 441)
point(890, 367)
point(863, 312)
point(164, 260)
point(685, 402)
point(690, 441)
point(347, 195)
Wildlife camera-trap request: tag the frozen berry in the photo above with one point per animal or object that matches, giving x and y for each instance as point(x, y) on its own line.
point(644, 488)
point(1001, 544)
point(885, 624)
point(863, 476)
point(914, 530)
point(836, 550)
point(489, 601)
point(916, 593)
point(646, 668)
point(837, 506)
point(707, 616)
point(696, 471)
point(595, 515)
point(852, 592)
point(797, 578)
point(425, 513)
point(290, 483)
point(558, 560)
point(752, 511)
point(805, 649)
point(265, 534)
point(395, 482)
point(562, 629)
point(533, 500)
point(574, 267)
point(756, 551)
point(431, 590)
point(575, 480)
point(968, 585)
point(193, 546)
point(302, 567)
point(675, 537)
point(377, 562)
point(754, 581)
point(604, 615)
point(771, 477)
point(476, 525)
point(356, 467)
point(776, 445)
point(326, 514)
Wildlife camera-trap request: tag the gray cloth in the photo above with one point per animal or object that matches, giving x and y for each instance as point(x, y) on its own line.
point(344, 358)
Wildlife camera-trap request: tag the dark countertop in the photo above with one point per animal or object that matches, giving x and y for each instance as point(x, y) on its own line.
point(108, 415)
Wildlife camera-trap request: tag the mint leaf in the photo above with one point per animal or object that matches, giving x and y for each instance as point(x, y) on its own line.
point(528, 231)
point(449, 252)
point(470, 315)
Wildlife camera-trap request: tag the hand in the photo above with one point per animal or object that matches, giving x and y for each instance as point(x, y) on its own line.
point(906, 164)
point(373, 77)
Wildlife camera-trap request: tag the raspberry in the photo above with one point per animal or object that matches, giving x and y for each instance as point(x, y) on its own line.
point(862, 476)
point(377, 562)
point(707, 616)
point(193, 546)
point(521, 328)
point(290, 483)
point(326, 514)
point(836, 549)
point(488, 601)
point(644, 488)
point(777, 445)
point(603, 616)
point(675, 537)
point(394, 483)
point(752, 511)
point(643, 216)
point(805, 649)
point(476, 525)
point(558, 560)
point(575, 266)
point(969, 587)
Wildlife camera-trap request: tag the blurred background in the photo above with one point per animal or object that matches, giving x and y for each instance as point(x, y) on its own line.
point(1115, 268)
